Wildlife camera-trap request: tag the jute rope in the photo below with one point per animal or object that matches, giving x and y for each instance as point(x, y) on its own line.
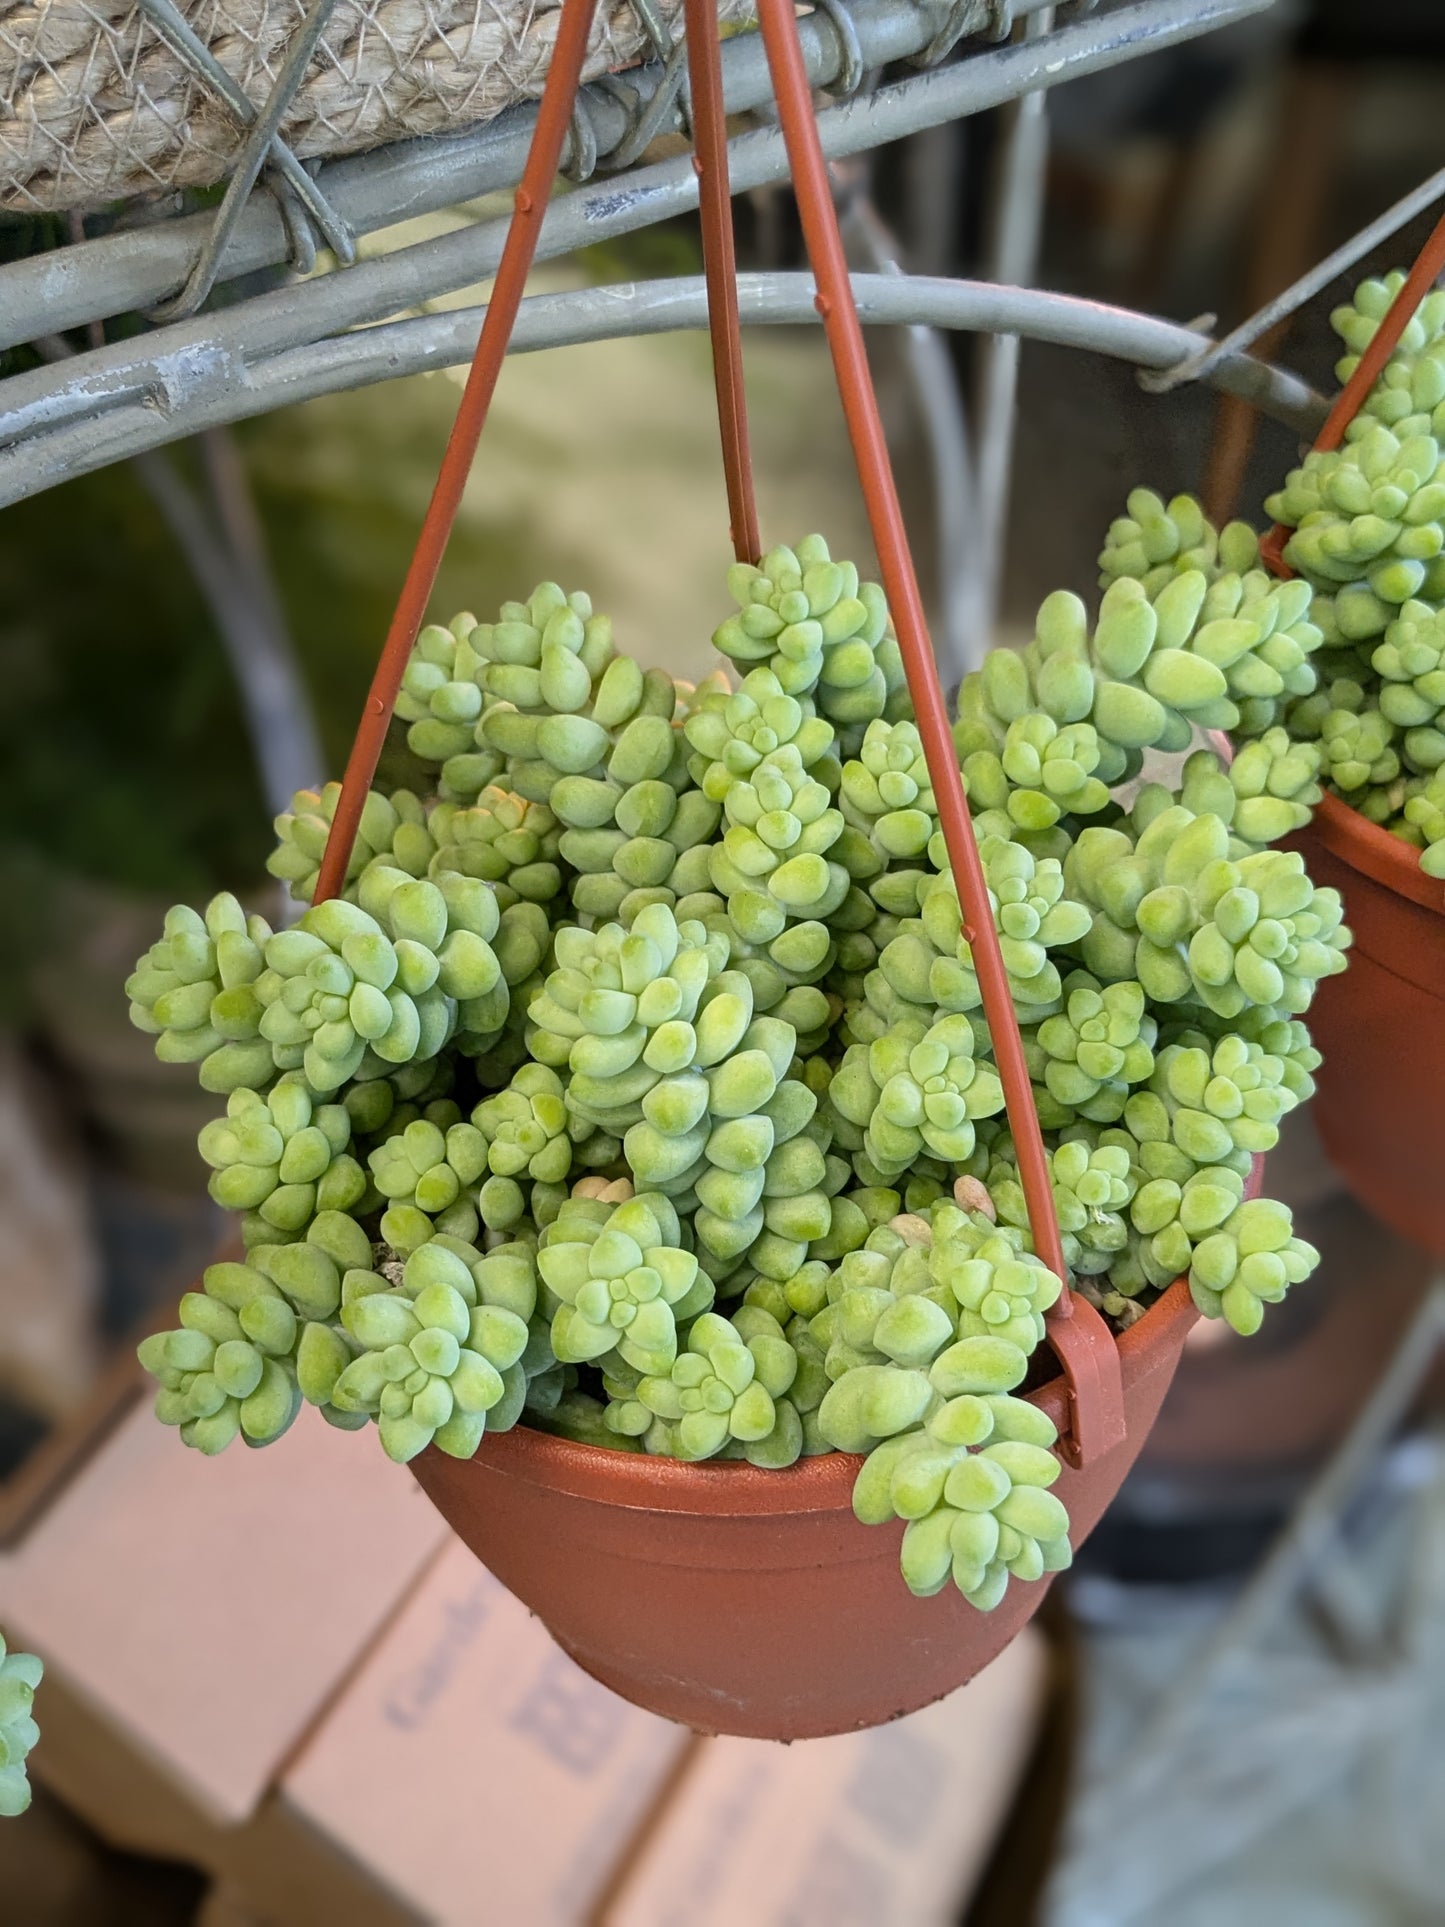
point(94, 107)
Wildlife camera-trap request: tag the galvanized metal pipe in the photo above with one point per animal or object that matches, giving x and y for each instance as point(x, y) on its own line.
point(1308, 286)
point(1017, 219)
point(134, 269)
point(435, 341)
point(166, 369)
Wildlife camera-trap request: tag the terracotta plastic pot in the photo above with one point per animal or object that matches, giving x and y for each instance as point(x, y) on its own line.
point(1381, 1024)
point(736, 1600)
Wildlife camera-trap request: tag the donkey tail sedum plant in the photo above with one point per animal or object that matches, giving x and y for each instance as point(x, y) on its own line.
point(637, 1085)
point(20, 1674)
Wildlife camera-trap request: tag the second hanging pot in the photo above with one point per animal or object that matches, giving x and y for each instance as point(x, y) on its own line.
point(1380, 1101)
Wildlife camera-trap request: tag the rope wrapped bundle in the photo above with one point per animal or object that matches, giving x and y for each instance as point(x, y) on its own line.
point(95, 107)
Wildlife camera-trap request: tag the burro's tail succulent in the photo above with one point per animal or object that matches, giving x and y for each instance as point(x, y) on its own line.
point(20, 1674)
point(1196, 927)
point(637, 1085)
point(432, 1359)
point(619, 1281)
point(942, 1316)
point(820, 630)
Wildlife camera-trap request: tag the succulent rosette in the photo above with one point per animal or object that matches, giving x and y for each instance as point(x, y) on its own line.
point(393, 830)
point(822, 631)
point(195, 992)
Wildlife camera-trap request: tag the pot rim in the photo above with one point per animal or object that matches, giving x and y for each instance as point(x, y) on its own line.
point(637, 1482)
point(1375, 853)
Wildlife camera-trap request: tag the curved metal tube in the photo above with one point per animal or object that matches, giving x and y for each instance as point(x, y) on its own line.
point(215, 348)
point(133, 269)
point(235, 391)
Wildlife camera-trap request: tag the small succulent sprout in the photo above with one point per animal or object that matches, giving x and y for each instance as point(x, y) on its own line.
point(973, 1485)
point(578, 1416)
point(441, 695)
point(385, 980)
point(1274, 780)
point(1089, 1054)
point(195, 992)
point(621, 1280)
point(772, 863)
point(1154, 541)
point(1423, 821)
point(1359, 746)
point(20, 1674)
point(426, 1170)
point(1092, 1187)
point(433, 1359)
point(1409, 392)
point(1169, 1215)
point(932, 963)
point(917, 1091)
point(627, 1010)
point(1001, 1290)
point(1262, 635)
point(393, 830)
point(762, 1193)
point(732, 731)
point(1411, 664)
point(1262, 934)
point(1249, 1262)
point(818, 628)
point(882, 1309)
point(527, 1148)
point(887, 793)
point(635, 830)
point(1223, 1097)
point(723, 1385)
point(1208, 649)
point(283, 1156)
point(546, 654)
point(1043, 771)
point(1287, 1040)
point(228, 1371)
point(1192, 925)
point(1370, 510)
point(503, 839)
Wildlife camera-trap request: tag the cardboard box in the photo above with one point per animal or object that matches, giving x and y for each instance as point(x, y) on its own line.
point(120, 1382)
point(471, 1774)
point(281, 1667)
point(471, 1771)
point(891, 1827)
point(196, 1616)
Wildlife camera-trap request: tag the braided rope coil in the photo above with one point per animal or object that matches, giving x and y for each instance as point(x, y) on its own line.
point(95, 107)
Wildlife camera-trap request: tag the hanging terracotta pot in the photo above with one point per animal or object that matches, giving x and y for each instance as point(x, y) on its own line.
point(732, 1599)
point(1381, 1024)
point(736, 1600)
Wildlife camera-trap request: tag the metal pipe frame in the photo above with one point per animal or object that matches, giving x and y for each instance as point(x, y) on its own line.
point(132, 270)
point(152, 413)
point(174, 371)
point(1016, 224)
